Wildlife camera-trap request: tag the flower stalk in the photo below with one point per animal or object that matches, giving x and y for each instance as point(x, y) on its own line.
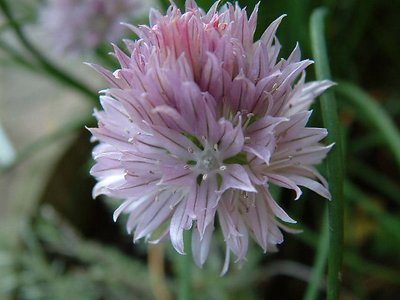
point(335, 171)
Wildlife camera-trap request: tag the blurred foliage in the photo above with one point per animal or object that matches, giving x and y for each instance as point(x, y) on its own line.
point(52, 261)
point(68, 248)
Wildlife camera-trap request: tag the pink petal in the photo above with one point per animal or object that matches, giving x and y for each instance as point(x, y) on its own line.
point(180, 221)
point(235, 177)
point(206, 204)
point(201, 245)
point(277, 210)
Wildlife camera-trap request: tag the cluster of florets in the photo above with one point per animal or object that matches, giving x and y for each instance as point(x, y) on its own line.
point(198, 122)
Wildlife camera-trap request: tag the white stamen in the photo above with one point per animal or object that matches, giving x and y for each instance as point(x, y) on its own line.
point(250, 115)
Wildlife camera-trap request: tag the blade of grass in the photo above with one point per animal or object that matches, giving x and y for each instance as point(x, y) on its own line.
point(334, 161)
point(320, 262)
point(373, 115)
point(47, 65)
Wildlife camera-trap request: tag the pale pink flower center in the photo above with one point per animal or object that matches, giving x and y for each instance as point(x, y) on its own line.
point(208, 161)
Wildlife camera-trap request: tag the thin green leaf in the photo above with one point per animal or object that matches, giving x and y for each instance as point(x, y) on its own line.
point(334, 162)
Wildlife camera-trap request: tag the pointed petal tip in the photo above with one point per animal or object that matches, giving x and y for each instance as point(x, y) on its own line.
point(199, 264)
point(115, 216)
point(95, 194)
point(328, 82)
point(330, 146)
point(298, 195)
point(180, 251)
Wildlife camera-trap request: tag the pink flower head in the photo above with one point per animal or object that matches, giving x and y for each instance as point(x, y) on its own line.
point(199, 121)
point(77, 25)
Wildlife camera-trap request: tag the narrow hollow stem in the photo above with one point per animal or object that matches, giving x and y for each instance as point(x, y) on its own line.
point(334, 161)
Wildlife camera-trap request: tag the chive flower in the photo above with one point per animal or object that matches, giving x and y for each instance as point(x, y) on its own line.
point(197, 124)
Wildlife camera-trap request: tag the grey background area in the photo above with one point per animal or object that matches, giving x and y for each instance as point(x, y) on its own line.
point(32, 106)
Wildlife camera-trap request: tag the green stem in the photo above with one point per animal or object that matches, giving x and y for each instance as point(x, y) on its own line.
point(320, 262)
point(45, 63)
point(334, 162)
point(373, 115)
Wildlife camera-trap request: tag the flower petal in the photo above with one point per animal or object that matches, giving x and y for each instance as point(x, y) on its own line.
point(235, 177)
point(201, 245)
